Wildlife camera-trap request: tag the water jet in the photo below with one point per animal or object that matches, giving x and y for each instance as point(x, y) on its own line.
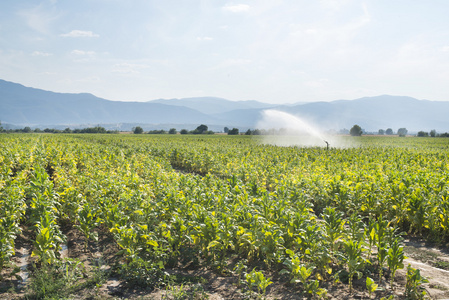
point(294, 131)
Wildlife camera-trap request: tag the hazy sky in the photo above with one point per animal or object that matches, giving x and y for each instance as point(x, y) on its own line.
point(268, 50)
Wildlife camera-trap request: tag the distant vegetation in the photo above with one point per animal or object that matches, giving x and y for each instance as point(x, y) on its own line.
point(233, 131)
point(432, 133)
point(27, 129)
point(137, 130)
point(356, 130)
point(402, 132)
point(202, 129)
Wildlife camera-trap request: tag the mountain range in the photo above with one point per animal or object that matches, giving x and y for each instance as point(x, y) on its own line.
point(26, 106)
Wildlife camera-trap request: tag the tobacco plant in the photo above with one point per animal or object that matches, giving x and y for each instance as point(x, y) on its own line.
point(87, 222)
point(257, 280)
point(395, 259)
point(413, 287)
point(48, 239)
point(353, 259)
point(333, 227)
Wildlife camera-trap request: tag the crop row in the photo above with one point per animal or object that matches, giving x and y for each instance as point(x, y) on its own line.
point(309, 214)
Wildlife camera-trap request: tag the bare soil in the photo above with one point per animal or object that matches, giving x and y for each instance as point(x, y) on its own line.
point(431, 261)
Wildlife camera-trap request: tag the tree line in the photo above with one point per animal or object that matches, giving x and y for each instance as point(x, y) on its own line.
point(202, 129)
point(356, 130)
point(27, 129)
point(432, 133)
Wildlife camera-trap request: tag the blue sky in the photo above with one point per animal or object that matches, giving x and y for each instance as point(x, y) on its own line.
point(268, 50)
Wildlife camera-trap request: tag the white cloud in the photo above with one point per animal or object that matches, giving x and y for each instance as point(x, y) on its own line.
point(445, 49)
point(80, 33)
point(82, 52)
point(233, 61)
point(237, 8)
point(334, 42)
point(204, 38)
point(81, 56)
point(38, 53)
point(128, 68)
point(39, 19)
point(334, 4)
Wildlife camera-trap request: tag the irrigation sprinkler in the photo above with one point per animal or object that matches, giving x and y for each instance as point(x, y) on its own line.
point(327, 145)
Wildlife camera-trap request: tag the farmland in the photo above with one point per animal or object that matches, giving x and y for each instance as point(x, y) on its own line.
point(153, 212)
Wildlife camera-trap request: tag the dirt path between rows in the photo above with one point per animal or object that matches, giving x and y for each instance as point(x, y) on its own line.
point(433, 264)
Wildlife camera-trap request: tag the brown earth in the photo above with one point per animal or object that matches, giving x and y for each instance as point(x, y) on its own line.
point(432, 262)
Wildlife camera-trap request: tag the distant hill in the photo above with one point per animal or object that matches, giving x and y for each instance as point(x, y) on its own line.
point(214, 105)
point(25, 106)
point(380, 112)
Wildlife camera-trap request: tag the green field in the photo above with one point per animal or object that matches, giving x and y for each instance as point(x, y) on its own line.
point(306, 218)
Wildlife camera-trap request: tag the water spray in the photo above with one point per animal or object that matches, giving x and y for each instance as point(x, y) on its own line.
point(298, 131)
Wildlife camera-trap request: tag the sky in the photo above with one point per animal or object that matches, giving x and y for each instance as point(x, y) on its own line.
point(272, 51)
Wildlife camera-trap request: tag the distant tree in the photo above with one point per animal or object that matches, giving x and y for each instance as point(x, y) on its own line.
point(356, 130)
point(233, 131)
point(433, 133)
point(1, 128)
point(257, 132)
point(248, 132)
point(184, 131)
point(226, 130)
point(389, 131)
point(201, 129)
point(156, 131)
point(402, 132)
point(381, 132)
point(172, 131)
point(138, 130)
point(96, 129)
point(67, 130)
point(422, 134)
point(26, 129)
point(37, 130)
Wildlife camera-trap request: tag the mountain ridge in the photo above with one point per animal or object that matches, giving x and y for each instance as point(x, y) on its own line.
point(23, 105)
point(213, 105)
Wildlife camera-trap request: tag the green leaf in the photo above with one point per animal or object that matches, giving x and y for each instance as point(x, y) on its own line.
point(284, 271)
point(213, 244)
point(152, 243)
